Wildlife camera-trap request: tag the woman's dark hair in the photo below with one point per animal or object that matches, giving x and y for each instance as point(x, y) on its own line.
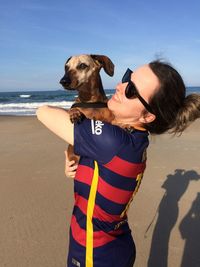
point(173, 109)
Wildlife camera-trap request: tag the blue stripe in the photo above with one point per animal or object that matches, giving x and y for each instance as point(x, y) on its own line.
point(134, 155)
point(116, 180)
point(87, 162)
point(82, 189)
point(107, 226)
point(76, 251)
point(80, 217)
point(108, 205)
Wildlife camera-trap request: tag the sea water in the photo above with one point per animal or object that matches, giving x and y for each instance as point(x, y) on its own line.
point(25, 103)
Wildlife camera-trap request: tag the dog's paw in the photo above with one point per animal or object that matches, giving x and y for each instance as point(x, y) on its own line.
point(76, 116)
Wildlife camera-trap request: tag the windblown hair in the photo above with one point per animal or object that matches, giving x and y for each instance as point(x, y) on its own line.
point(173, 109)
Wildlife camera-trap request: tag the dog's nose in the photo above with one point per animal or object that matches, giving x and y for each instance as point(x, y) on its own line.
point(65, 80)
point(62, 81)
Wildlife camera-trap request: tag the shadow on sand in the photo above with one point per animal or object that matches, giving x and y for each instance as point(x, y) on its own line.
point(190, 231)
point(175, 185)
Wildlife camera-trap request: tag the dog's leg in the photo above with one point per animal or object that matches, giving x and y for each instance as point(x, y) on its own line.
point(76, 115)
point(71, 155)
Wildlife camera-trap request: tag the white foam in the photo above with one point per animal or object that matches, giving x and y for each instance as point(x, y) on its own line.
point(29, 108)
point(25, 96)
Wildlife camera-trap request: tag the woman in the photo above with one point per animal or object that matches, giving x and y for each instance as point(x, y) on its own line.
point(113, 159)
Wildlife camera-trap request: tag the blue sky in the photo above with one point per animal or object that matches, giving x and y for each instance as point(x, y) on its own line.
point(37, 36)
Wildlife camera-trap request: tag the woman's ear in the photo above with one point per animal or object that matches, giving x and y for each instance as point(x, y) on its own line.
point(147, 118)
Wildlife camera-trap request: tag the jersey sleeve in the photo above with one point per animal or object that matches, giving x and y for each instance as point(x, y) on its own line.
point(98, 140)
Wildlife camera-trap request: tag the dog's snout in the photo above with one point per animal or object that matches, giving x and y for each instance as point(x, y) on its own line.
point(65, 81)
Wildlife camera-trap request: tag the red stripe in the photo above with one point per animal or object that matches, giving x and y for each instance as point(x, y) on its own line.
point(98, 212)
point(84, 174)
point(125, 168)
point(100, 238)
point(78, 233)
point(112, 193)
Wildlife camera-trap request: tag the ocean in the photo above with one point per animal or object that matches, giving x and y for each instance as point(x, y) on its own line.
point(25, 103)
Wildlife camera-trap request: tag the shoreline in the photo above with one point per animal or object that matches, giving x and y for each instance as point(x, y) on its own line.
point(37, 199)
point(26, 102)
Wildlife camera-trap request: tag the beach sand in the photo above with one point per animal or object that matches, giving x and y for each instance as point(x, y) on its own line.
point(36, 199)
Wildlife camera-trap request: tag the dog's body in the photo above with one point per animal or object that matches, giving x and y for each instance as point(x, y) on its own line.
point(82, 74)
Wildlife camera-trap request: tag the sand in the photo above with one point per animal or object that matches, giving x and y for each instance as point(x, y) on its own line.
point(36, 199)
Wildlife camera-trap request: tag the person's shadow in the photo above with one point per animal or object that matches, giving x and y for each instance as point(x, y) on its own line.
point(175, 186)
point(190, 231)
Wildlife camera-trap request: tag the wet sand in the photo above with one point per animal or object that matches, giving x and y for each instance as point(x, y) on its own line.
point(36, 199)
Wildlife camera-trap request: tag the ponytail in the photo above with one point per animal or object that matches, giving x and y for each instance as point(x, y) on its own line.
point(187, 114)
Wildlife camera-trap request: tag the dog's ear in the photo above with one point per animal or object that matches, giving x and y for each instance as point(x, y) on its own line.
point(106, 63)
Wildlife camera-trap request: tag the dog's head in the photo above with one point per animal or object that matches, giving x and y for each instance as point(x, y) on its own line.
point(84, 69)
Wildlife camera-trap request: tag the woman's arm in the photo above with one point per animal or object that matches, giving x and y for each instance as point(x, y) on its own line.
point(58, 121)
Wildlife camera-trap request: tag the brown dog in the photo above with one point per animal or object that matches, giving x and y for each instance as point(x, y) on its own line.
point(82, 74)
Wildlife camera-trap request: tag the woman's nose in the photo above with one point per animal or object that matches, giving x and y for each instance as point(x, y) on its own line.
point(120, 87)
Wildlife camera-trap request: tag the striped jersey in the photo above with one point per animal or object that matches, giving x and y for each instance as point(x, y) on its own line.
point(111, 166)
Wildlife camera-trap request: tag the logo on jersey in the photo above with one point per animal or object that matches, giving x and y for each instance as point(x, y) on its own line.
point(97, 127)
point(76, 263)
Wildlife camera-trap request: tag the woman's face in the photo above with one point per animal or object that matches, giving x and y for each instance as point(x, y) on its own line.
point(131, 111)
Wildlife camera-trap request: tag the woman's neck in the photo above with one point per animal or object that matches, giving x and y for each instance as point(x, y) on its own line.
point(127, 125)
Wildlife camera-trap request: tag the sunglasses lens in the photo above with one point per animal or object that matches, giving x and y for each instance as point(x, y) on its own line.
point(127, 76)
point(130, 91)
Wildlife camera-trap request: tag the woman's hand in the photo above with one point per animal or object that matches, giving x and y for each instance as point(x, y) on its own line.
point(70, 167)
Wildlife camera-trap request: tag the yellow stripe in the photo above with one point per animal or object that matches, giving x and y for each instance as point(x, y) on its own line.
point(90, 209)
point(139, 180)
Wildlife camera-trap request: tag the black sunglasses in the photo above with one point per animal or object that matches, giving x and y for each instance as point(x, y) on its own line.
point(131, 90)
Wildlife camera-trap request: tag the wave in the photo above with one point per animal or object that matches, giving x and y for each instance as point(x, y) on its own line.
point(109, 95)
point(24, 96)
point(29, 108)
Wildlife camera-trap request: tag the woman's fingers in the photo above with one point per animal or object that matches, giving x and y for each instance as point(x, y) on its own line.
point(70, 166)
point(71, 174)
point(70, 163)
point(73, 167)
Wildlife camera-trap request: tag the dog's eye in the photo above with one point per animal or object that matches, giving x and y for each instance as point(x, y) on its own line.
point(82, 66)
